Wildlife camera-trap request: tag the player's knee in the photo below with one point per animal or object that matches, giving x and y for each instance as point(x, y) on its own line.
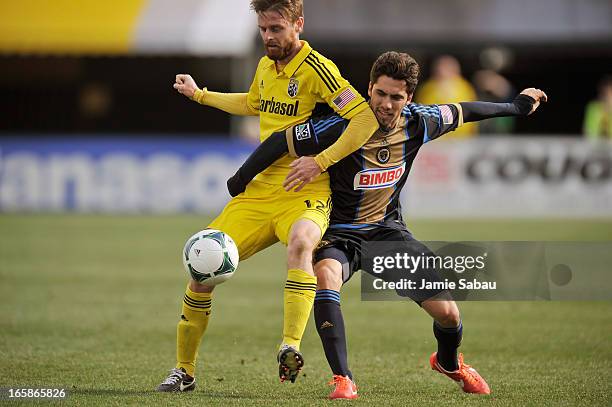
point(449, 315)
point(445, 313)
point(329, 276)
point(301, 243)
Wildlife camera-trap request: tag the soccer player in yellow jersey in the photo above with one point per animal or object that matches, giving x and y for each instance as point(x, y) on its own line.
point(290, 81)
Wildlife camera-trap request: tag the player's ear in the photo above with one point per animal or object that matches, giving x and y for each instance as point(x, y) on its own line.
point(299, 24)
point(409, 98)
point(370, 86)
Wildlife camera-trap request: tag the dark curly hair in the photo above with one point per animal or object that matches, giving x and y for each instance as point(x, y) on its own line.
point(399, 66)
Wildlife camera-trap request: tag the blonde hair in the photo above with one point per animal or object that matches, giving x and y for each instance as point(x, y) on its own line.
point(291, 10)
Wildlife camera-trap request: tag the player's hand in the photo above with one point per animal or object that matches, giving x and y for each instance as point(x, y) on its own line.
point(303, 170)
point(185, 85)
point(537, 95)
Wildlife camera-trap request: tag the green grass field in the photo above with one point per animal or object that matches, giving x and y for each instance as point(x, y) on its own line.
point(90, 303)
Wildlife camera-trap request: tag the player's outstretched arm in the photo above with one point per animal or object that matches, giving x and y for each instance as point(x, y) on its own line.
point(524, 104)
point(232, 103)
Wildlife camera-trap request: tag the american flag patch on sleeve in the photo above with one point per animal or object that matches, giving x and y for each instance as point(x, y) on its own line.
point(447, 114)
point(344, 98)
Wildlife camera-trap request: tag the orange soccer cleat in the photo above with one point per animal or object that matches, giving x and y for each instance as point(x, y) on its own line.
point(345, 388)
point(466, 376)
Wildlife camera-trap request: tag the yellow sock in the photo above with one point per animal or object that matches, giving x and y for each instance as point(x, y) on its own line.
point(191, 327)
point(300, 290)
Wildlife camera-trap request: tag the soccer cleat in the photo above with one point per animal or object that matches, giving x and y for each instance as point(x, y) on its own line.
point(345, 388)
point(177, 380)
point(290, 362)
point(466, 376)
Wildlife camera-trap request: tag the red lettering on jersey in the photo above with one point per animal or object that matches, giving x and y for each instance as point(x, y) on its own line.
point(364, 179)
point(378, 177)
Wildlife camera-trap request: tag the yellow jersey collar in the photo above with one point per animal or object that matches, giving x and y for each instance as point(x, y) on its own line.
point(294, 64)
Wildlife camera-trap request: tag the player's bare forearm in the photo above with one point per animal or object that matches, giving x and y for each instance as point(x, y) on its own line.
point(524, 104)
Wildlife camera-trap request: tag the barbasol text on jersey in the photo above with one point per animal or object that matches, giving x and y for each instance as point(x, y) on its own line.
point(378, 178)
point(275, 107)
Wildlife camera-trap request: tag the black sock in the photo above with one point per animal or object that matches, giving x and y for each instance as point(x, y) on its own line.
point(449, 340)
point(330, 326)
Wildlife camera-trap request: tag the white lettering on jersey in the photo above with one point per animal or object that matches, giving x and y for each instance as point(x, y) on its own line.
point(378, 177)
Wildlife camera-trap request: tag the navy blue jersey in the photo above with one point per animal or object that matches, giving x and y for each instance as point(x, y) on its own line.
point(366, 184)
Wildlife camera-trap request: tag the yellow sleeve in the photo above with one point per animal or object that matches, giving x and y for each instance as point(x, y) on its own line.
point(239, 104)
point(232, 103)
point(253, 95)
point(333, 88)
point(361, 127)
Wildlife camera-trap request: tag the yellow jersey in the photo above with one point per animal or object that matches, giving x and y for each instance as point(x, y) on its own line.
point(289, 97)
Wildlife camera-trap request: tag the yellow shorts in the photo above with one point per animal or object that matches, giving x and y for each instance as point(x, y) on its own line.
point(264, 214)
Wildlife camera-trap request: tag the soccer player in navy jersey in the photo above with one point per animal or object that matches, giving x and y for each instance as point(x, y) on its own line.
point(365, 195)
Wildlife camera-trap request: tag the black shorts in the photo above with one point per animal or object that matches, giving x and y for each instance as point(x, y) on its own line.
point(347, 245)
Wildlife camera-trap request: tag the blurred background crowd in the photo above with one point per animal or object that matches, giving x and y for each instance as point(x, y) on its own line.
point(76, 67)
point(101, 74)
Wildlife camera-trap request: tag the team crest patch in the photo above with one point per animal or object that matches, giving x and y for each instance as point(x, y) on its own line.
point(292, 89)
point(383, 155)
point(302, 132)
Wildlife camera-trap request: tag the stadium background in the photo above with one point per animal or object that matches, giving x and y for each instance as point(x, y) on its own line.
point(105, 170)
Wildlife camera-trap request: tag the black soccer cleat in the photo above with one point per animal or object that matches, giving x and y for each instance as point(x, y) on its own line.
point(177, 380)
point(290, 362)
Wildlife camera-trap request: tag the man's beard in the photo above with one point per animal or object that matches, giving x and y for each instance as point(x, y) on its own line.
point(280, 53)
point(386, 123)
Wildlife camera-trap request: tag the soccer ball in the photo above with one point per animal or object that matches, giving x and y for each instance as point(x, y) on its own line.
point(210, 257)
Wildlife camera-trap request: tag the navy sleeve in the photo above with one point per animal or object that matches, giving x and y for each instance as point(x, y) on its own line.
point(434, 121)
point(475, 111)
point(315, 135)
point(272, 148)
point(308, 138)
